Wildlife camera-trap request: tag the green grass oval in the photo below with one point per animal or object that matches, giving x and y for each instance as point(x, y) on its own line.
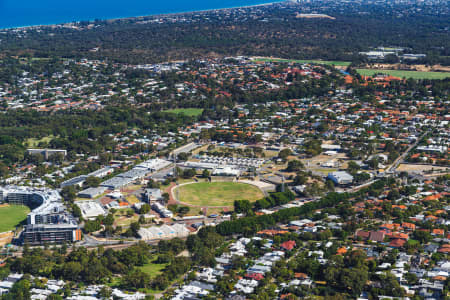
point(217, 193)
point(11, 216)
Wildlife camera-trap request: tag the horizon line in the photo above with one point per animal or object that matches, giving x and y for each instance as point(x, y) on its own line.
point(143, 16)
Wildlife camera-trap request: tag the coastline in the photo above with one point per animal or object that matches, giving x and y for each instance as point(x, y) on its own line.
point(142, 16)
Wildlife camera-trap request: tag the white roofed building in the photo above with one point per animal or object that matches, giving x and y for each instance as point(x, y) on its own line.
point(340, 177)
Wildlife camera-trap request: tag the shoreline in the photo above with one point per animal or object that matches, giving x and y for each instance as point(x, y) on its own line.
point(141, 16)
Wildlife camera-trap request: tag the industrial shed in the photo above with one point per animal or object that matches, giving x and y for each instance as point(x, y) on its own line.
point(91, 193)
point(340, 178)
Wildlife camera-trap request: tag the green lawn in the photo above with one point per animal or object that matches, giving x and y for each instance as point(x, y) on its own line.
point(406, 74)
point(413, 242)
point(217, 193)
point(152, 269)
point(125, 221)
point(33, 142)
point(305, 61)
point(132, 199)
point(121, 219)
point(191, 112)
point(12, 216)
point(39, 58)
point(123, 211)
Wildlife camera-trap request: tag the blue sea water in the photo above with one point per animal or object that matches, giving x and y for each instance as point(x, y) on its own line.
point(18, 13)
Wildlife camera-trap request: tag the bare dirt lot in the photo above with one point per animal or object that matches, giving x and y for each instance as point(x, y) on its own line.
point(316, 162)
point(420, 168)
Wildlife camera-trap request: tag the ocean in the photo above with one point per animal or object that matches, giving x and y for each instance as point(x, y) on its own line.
point(19, 13)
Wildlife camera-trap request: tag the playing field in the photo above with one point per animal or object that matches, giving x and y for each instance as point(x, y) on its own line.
point(305, 61)
point(217, 193)
point(191, 112)
point(406, 74)
point(11, 216)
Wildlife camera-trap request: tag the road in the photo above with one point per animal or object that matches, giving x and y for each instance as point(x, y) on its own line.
point(357, 188)
point(92, 243)
point(186, 148)
point(117, 246)
point(397, 162)
point(164, 173)
point(393, 166)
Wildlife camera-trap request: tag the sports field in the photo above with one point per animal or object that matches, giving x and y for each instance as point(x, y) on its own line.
point(305, 61)
point(191, 112)
point(406, 74)
point(217, 193)
point(11, 216)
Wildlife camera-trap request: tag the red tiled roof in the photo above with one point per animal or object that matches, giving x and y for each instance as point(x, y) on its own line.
point(433, 197)
point(397, 243)
point(438, 231)
point(255, 276)
point(399, 235)
point(289, 245)
point(363, 234)
point(341, 250)
point(444, 249)
point(407, 225)
point(272, 232)
point(300, 275)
